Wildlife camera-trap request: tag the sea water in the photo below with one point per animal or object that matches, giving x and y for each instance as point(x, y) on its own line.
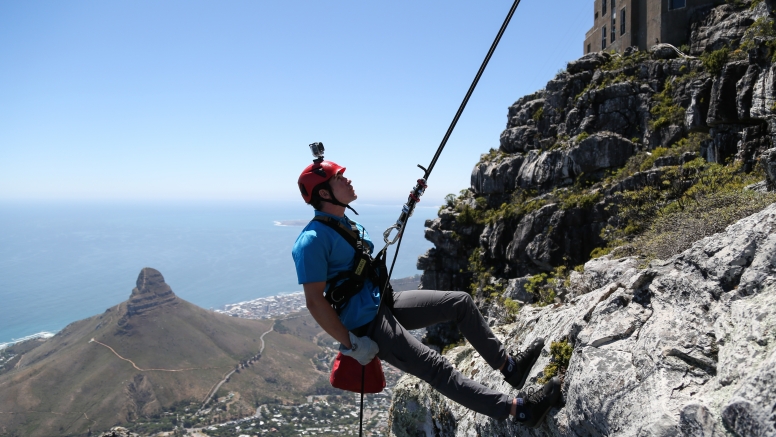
point(62, 262)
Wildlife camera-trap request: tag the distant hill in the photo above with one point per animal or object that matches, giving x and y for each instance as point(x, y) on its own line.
point(408, 283)
point(151, 354)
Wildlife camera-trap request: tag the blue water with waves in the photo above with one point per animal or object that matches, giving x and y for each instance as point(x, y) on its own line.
point(65, 261)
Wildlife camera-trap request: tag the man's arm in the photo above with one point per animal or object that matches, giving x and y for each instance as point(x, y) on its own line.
point(324, 314)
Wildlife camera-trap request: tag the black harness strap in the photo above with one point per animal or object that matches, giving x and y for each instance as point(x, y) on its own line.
point(348, 283)
point(351, 234)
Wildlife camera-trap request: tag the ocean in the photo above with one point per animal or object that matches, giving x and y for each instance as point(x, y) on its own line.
point(65, 261)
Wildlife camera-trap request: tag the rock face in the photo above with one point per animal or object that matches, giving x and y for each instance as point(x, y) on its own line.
point(585, 125)
point(769, 158)
point(151, 292)
point(681, 347)
point(684, 347)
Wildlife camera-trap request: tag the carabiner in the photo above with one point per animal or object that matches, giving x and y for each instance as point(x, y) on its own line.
point(387, 235)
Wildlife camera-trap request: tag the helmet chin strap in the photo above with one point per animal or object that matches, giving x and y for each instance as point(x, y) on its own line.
point(334, 200)
point(338, 203)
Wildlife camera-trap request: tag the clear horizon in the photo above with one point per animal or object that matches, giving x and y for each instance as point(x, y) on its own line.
point(62, 262)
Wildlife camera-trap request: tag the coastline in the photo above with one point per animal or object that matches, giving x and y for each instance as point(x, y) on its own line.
point(64, 262)
point(43, 334)
point(277, 305)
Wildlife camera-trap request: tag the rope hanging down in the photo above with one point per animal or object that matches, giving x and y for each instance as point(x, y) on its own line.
point(415, 194)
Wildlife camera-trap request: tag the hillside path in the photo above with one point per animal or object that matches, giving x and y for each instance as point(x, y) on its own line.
point(147, 370)
point(226, 377)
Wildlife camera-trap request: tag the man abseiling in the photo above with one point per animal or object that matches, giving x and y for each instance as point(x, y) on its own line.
point(347, 306)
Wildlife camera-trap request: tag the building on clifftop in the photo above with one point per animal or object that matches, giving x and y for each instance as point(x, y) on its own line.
point(620, 24)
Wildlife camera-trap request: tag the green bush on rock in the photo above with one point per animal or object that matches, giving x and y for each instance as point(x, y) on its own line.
point(665, 111)
point(690, 202)
point(560, 353)
point(713, 62)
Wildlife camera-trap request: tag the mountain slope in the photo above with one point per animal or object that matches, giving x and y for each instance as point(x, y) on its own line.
point(173, 354)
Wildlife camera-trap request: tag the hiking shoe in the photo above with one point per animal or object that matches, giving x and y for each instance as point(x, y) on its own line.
point(517, 367)
point(536, 403)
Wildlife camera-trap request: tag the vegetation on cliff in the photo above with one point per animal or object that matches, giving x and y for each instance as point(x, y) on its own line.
point(637, 154)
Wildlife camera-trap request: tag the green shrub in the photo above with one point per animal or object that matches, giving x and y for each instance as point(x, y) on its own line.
point(713, 62)
point(643, 161)
point(619, 62)
point(560, 352)
point(649, 161)
point(631, 167)
point(545, 286)
point(763, 28)
point(467, 216)
point(715, 201)
point(538, 114)
point(582, 137)
point(512, 307)
point(521, 203)
point(583, 200)
point(493, 155)
point(506, 211)
point(659, 221)
point(665, 111)
point(480, 273)
point(535, 282)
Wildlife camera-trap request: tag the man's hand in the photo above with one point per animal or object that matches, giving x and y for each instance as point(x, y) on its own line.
point(323, 313)
point(363, 350)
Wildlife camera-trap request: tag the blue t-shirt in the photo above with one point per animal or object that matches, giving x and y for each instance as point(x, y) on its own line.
point(320, 253)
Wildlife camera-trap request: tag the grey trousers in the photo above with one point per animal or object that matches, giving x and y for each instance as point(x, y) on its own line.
point(416, 309)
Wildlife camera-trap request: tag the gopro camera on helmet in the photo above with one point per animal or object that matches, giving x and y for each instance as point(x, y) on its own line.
point(317, 149)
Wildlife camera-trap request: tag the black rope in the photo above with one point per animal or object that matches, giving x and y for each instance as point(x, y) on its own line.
point(471, 88)
point(361, 413)
point(453, 123)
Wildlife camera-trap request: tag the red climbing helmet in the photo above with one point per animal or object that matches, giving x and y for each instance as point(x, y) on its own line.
point(317, 173)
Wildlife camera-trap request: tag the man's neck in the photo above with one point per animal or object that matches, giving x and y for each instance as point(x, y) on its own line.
point(330, 208)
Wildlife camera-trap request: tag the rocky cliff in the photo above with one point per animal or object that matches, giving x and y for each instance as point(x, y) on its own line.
point(150, 292)
point(625, 217)
point(682, 347)
point(593, 134)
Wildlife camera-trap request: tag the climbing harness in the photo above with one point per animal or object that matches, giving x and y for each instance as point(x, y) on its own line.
point(348, 283)
point(343, 362)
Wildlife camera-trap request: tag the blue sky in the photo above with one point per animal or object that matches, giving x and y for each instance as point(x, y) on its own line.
point(205, 100)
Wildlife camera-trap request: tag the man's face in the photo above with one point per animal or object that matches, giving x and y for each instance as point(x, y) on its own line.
point(342, 189)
